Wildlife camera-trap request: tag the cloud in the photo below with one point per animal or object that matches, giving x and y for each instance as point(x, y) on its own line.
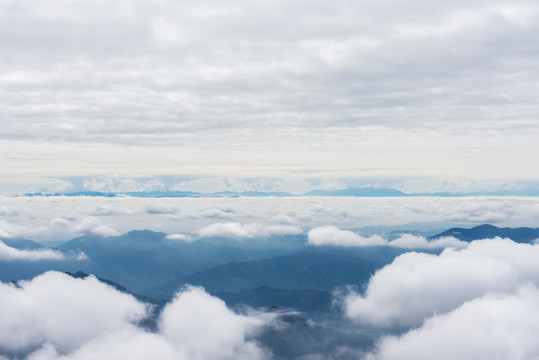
point(481, 212)
point(250, 230)
point(55, 316)
point(333, 236)
point(63, 311)
point(330, 235)
point(207, 329)
point(494, 326)
point(181, 237)
point(8, 212)
point(9, 253)
point(94, 226)
point(9, 230)
point(408, 241)
point(61, 222)
point(107, 210)
point(225, 213)
point(234, 230)
point(161, 209)
point(401, 75)
point(416, 286)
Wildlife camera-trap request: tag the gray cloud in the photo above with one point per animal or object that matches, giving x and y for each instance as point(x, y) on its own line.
point(168, 79)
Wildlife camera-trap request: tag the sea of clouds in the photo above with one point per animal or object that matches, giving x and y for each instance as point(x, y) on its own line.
point(457, 300)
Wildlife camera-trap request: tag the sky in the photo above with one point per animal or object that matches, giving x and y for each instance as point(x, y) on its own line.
point(282, 89)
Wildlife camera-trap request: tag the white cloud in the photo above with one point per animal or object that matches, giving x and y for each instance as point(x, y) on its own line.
point(60, 222)
point(181, 237)
point(409, 241)
point(63, 311)
point(58, 317)
point(333, 236)
point(330, 235)
point(250, 230)
point(9, 253)
point(234, 230)
point(207, 329)
point(417, 285)
point(494, 326)
point(9, 230)
point(94, 226)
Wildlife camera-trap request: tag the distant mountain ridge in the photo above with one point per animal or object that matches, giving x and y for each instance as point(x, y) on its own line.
point(318, 268)
point(485, 231)
point(350, 192)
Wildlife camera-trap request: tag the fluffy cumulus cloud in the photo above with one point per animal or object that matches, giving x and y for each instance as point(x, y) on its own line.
point(330, 235)
point(417, 286)
point(494, 326)
point(250, 230)
point(63, 311)
point(92, 225)
point(10, 253)
point(55, 317)
point(207, 329)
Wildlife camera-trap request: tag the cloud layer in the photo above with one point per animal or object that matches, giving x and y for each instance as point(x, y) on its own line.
point(297, 83)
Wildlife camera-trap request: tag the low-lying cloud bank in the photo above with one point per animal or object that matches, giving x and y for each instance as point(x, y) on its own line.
point(9, 253)
point(55, 316)
point(479, 300)
point(330, 235)
point(245, 231)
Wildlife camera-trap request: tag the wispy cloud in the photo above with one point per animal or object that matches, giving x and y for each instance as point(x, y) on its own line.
point(9, 253)
point(330, 235)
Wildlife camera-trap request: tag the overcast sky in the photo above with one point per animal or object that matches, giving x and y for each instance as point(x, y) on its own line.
point(257, 88)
